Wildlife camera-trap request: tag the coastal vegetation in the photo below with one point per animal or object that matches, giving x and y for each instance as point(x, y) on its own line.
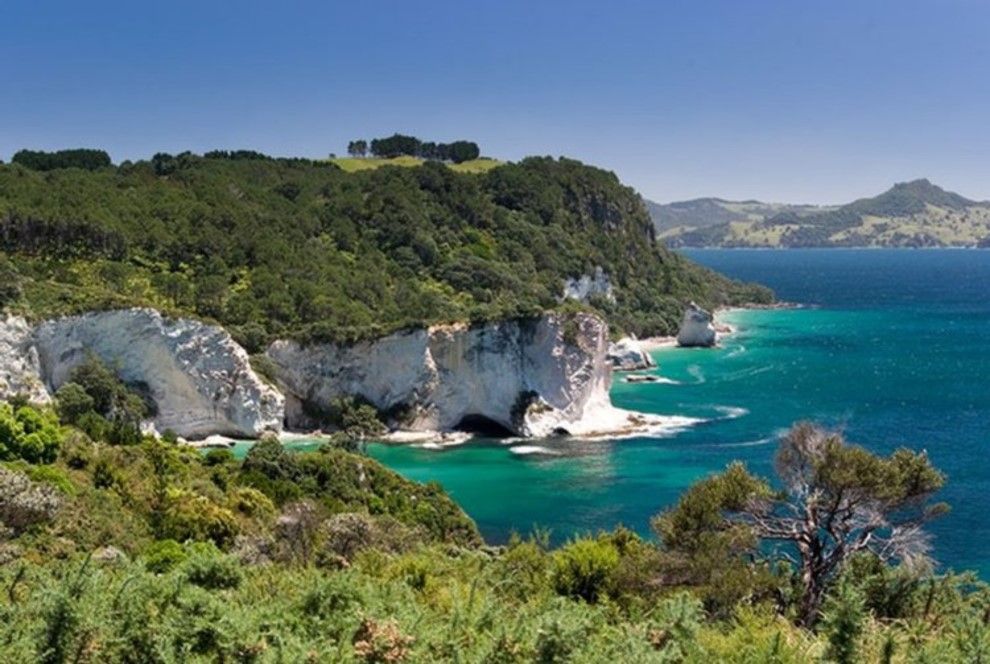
point(155, 552)
point(292, 247)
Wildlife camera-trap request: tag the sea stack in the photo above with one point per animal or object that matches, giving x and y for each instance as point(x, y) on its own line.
point(627, 354)
point(696, 328)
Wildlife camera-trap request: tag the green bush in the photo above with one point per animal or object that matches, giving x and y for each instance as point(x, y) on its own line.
point(582, 568)
point(164, 556)
point(28, 433)
point(206, 567)
point(190, 516)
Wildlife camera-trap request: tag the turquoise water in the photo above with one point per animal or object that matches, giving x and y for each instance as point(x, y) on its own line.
point(895, 350)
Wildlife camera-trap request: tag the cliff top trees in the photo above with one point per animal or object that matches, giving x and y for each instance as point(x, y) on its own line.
point(358, 148)
point(398, 145)
point(836, 500)
point(89, 160)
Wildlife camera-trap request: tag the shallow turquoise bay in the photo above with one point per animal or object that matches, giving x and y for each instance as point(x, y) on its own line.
point(895, 351)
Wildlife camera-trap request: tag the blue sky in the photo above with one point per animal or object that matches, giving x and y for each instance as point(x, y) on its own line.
point(800, 101)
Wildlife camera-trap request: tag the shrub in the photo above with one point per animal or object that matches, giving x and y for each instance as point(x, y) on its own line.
point(52, 476)
point(582, 568)
point(28, 433)
point(105, 476)
point(164, 556)
point(73, 402)
point(190, 516)
point(24, 503)
point(206, 567)
point(250, 502)
point(381, 642)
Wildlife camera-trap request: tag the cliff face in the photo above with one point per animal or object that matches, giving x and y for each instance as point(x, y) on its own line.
point(199, 378)
point(531, 377)
point(20, 368)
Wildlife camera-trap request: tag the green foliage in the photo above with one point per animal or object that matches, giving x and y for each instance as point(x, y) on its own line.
point(164, 555)
point(362, 565)
point(48, 161)
point(274, 248)
point(195, 517)
point(838, 500)
point(582, 568)
point(97, 401)
point(206, 567)
point(28, 433)
point(843, 623)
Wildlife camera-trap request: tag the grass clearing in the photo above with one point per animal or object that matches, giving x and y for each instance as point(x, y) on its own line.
point(355, 164)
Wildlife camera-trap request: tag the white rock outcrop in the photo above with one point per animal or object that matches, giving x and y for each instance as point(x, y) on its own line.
point(586, 286)
point(20, 369)
point(627, 354)
point(696, 328)
point(531, 377)
point(200, 379)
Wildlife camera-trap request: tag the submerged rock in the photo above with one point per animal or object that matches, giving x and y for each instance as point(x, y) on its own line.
point(627, 354)
point(696, 328)
point(528, 377)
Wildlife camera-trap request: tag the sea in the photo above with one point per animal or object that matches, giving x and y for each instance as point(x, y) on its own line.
point(892, 347)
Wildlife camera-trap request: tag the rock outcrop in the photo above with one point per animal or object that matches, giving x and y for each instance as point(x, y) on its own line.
point(542, 376)
point(627, 354)
point(200, 379)
point(20, 369)
point(529, 377)
point(586, 286)
point(696, 328)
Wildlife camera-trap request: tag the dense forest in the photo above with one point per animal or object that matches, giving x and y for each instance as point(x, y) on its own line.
point(276, 247)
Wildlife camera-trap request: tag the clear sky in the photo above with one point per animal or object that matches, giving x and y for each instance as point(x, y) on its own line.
point(797, 100)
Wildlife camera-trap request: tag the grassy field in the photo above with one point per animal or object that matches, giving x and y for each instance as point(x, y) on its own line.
point(354, 164)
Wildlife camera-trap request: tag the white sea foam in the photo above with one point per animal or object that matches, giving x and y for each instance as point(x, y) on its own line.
point(750, 443)
point(525, 450)
point(731, 412)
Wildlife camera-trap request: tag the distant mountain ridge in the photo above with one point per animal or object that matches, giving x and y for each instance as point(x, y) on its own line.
point(909, 214)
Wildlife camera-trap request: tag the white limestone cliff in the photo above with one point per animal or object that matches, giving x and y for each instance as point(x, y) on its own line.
point(696, 328)
point(536, 377)
point(20, 370)
point(627, 354)
point(586, 286)
point(200, 379)
point(532, 377)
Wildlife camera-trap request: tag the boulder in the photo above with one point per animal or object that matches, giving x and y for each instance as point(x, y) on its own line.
point(627, 354)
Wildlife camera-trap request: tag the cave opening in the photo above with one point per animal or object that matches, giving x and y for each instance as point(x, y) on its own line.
point(479, 425)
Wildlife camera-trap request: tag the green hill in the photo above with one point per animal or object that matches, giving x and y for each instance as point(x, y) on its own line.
point(910, 214)
point(296, 247)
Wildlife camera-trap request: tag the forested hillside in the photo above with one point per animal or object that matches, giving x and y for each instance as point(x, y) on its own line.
point(909, 214)
point(295, 247)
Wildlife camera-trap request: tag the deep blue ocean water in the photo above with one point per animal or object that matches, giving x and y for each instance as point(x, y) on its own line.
point(894, 348)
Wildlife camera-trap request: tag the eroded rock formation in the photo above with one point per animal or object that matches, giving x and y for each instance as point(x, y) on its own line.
point(696, 328)
point(530, 377)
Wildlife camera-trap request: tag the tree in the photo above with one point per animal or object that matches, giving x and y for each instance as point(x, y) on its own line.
point(90, 160)
point(837, 500)
point(358, 148)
